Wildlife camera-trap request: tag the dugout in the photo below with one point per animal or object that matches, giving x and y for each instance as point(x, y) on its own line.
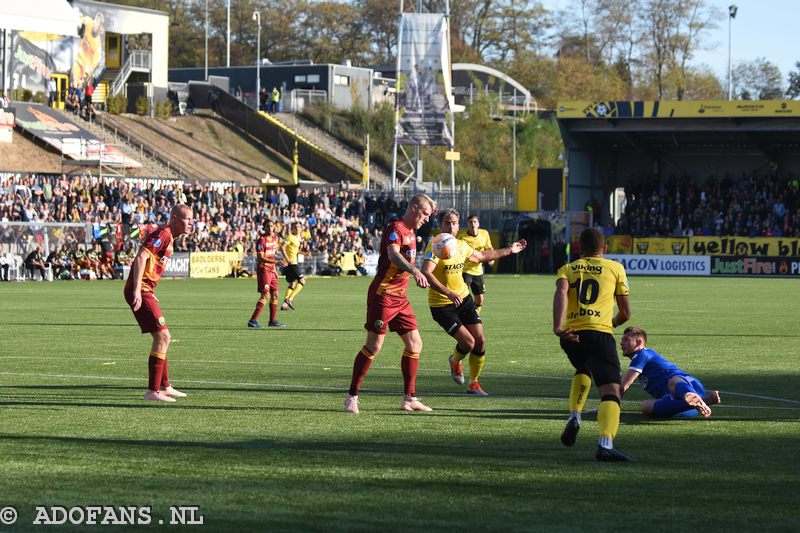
point(607, 141)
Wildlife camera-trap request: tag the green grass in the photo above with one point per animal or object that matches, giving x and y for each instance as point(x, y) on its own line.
point(261, 443)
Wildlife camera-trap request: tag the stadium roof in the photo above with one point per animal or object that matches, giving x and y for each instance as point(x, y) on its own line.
point(656, 128)
point(46, 16)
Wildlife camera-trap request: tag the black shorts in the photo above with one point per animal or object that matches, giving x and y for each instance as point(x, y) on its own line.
point(475, 283)
point(595, 355)
point(451, 317)
point(292, 273)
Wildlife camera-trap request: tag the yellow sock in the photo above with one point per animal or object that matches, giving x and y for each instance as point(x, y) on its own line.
point(475, 366)
point(297, 289)
point(458, 356)
point(608, 419)
point(579, 392)
point(288, 294)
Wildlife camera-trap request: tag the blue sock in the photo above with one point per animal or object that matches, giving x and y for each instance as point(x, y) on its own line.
point(682, 388)
point(666, 407)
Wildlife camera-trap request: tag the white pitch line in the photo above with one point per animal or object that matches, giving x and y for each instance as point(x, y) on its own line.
point(340, 389)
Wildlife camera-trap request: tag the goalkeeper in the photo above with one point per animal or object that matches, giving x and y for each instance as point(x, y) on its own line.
point(676, 393)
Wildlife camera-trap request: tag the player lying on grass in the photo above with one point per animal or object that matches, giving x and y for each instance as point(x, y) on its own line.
point(676, 393)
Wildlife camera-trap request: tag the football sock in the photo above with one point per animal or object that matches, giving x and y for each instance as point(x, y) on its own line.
point(165, 374)
point(459, 353)
point(409, 364)
point(288, 294)
point(155, 368)
point(578, 393)
point(297, 290)
point(360, 366)
point(273, 311)
point(476, 361)
point(608, 420)
point(259, 307)
point(667, 407)
point(682, 388)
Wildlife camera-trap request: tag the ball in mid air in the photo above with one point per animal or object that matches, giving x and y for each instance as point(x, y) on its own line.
point(444, 246)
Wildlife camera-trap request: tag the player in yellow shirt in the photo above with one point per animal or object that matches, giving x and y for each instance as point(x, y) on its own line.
point(452, 305)
point(583, 318)
point(478, 238)
point(294, 276)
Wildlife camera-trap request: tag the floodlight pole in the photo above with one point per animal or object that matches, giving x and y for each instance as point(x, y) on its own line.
point(732, 9)
point(257, 18)
point(206, 50)
point(228, 61)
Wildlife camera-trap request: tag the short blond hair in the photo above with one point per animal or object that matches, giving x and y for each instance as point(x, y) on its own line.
point(420, 199)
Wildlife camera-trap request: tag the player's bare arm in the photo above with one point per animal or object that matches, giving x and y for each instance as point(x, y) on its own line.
point(491, 255)
point(435, 284)
point(623, 310)
point(630, 377)
point(397, 259)
point(559, 310)
point(139, 264)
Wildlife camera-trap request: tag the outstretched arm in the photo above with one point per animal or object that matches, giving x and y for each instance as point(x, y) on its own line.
point(491, 255)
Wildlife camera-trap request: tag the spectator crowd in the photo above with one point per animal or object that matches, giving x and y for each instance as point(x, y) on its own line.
point(749, 205)
point(226, 217)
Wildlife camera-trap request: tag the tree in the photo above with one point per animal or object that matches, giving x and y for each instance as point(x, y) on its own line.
point(794, 82)
point(757, 80)
point(673, 31)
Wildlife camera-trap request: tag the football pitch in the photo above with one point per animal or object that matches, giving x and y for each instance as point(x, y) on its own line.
point(262, 443)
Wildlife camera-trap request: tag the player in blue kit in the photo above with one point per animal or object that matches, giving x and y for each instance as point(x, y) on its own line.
point(676, 393)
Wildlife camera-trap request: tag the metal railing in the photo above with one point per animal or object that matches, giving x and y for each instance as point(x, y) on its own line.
point(138, 61)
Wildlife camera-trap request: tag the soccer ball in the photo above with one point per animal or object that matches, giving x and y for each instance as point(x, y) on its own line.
point(444, 246)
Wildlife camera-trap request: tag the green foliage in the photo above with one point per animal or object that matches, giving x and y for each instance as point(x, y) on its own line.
point(142, 106)
point(261, 442)
point(163, 109)
point(117, 104)
point(23, 95)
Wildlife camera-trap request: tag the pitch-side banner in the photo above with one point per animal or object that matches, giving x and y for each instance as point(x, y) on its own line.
point(663, 265)
point(660, 245)
point(424, 80)
point(743, 246)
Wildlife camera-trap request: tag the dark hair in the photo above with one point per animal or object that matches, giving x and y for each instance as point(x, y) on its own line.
point(473, 216)
point(633, 331)
point(592, 242)
point(447, 212)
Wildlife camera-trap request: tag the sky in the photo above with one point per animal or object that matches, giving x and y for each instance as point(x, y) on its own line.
point(762, 28)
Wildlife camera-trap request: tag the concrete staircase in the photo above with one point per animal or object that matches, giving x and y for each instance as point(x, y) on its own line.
point(352, 158)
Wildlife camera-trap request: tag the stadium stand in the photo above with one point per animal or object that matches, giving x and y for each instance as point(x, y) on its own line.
point(750, 205)
point(227, 217)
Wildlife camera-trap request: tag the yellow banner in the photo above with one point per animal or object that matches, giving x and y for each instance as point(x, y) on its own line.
point(619, 244)
point(348, 261)
point(660, 245)
point(745, 246)
point(678, 109)
point(211, 264)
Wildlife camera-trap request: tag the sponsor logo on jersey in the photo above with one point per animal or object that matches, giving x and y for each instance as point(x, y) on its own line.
point(596, 269)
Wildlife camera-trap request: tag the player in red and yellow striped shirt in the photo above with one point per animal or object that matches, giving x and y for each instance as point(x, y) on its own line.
point(388, 305)
point(147, 268)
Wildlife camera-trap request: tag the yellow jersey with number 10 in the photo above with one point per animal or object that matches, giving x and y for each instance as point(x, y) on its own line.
point(594, 283)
